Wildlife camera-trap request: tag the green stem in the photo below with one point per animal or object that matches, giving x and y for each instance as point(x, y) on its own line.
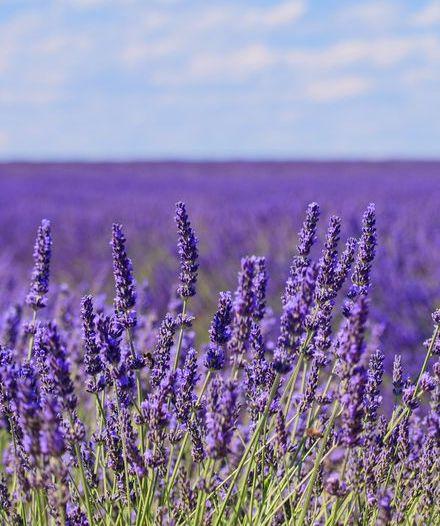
point(320, 454)
point(179, 341)
point(250, 447)
point(32, 337)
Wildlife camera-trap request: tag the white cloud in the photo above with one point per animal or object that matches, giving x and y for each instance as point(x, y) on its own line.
point(372, 14)
point(136, 53)
point(278, 15)
point(33, 96)
point(429, 15)
point(380, 52)
point(329, 90)
point(238, 64)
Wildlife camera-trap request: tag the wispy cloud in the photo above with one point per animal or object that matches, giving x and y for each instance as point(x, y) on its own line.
point(329, 90)
point(428, 15)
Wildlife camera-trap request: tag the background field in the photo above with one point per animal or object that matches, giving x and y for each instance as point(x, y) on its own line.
point(237, 209)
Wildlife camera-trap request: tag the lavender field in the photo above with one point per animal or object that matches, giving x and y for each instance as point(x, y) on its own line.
point(135, 389)
point(237, 209)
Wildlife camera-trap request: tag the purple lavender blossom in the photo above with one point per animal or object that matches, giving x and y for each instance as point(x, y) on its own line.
point(92, 359)
point(310, 388)
point(289, 340)
point(219, 333)
point(125, 299)
point(326, 279)
point(345, 262)
point(186, 382)
point(188, 254)
point(397, 375)
point(162, 350)
point(259, 376)
point(29, 407)
point(12, 325)
point(39, 287)
point(307, 234)
point(366, 253)
point(353, 375)
point(221, 415)
point(243, 311)
point(372, 397)
point(155, 411)
point(260, 284)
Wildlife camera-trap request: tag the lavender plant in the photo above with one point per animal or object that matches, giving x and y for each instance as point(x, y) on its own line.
point(116, 417)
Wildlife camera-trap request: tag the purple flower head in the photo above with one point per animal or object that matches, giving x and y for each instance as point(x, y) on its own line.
point(39, 287)
point(55, 373)
point(366, 253)
point(243, 311)
point(135, 461)
point(219, 333)
point(345, 262)
point(397, 375)
point(372, 398)
point(125, 298)
point(12, 325)
point(307, 234)
point(322, 340)
point(9, 372)
point(28, 402)
point(350, 344)
point(409, 395)
point(186, 382)
point(162, 349)
point(155, 411)
point(109, 337)
point(221, 415)
point(260, 284)
point(334, 486)
point(350, 347)
point(311, 386)
point(111, 437)
point(436, 317)
point(259, 376)
point(188, 254)
point(290, 335)
point(52, 441)
point(124, 382)
point(352, 397)
point(427, 382)
point(326, 280)
point(92, 359)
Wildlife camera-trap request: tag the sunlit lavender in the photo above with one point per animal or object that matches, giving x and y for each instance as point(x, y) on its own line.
point(240, 365)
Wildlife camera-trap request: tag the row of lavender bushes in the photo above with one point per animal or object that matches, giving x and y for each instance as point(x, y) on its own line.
point(236, 209)
point(115, 417)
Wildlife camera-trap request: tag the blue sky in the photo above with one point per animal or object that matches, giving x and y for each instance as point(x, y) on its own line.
point(121, 79)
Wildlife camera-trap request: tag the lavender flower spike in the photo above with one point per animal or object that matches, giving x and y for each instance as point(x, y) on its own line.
point(125, 299)
point(39, 287)
point(221, 416)
point(244, 307)
point(219, 332)
point(366, 252)
point(188, 254)
point(307, 233)
point(353, 375)
point(288, 343)
point(92, 359)
point(260, 284)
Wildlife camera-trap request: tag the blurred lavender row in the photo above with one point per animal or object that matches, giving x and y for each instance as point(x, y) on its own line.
point(237, 209)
